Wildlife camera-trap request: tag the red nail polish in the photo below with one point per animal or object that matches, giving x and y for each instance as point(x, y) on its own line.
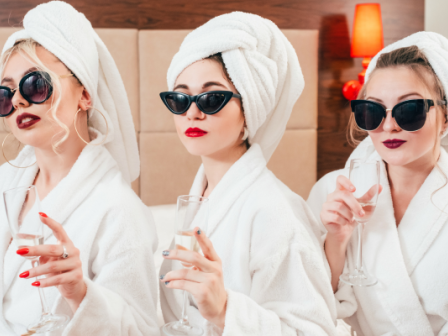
point(24, 274)
point(43, 214)
point(35, 284)
point(22, 251)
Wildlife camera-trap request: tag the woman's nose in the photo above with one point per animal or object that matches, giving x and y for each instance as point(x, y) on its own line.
point(194, 112)
point(389, 124)
point(18, 100)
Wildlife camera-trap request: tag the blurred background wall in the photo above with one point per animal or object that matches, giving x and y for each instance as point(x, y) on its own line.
point(333, 19)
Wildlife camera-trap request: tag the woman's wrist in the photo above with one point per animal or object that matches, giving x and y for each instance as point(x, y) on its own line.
point(75, 300)
point(220, 319)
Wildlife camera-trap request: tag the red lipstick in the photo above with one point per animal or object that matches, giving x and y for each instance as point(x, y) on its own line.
point(195, 132)
point(26, 120)
point(393, 143)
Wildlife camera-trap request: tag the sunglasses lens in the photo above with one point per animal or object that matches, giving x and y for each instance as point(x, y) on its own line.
point(178, 103)
point(411, 116)
point(5, 102)
point(36, 88)
point(211, 102)
point(368, 116)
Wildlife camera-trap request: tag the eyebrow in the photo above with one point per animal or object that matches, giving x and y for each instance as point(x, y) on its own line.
point(204, 86)
point(11, 80)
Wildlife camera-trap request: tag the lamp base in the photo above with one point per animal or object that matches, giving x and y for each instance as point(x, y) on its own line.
point(351, 89)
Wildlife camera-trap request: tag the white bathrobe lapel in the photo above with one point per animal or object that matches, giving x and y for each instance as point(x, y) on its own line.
point(418, 229)
point(238, 178)
point(392, 263)
point(92, 164)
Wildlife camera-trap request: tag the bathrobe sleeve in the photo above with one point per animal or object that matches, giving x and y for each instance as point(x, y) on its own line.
point(290, 293)
point(346, 304)
point(121, 289)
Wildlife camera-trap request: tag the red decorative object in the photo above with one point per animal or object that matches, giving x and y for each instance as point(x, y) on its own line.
point(367, 41)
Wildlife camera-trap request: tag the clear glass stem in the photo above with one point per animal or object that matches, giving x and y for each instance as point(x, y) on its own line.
point(359, 257)
point(43, 301)
point(185, 304)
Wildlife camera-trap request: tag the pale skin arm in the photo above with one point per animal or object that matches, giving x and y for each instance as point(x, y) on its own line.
point(337, 215)
point(204, 281)
point(66, 274)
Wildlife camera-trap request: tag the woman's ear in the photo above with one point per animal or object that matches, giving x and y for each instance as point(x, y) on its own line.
point(86, 101)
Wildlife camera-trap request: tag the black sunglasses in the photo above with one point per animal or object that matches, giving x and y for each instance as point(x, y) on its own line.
point(410, 115)
point(208, 102)
point(34, 87)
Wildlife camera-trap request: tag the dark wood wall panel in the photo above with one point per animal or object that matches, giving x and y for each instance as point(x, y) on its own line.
point(333, 18)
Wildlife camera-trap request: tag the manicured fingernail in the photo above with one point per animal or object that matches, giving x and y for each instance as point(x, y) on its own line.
point(43, 214)
point(362, 213)
point(161, 277)
point(167, 282)
point(24, 274)
point(35, 284)
point(22, 251)
point(199, 232)
point(166, 253)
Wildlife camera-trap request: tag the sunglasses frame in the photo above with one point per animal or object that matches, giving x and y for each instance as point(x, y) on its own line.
point(20, 87)
point(428, 104)
point(194, 99)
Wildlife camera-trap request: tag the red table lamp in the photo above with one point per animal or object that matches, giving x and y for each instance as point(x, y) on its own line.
point(367, 41)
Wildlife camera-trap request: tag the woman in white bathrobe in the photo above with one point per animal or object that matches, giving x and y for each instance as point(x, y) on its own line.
point(261, 273)
point(107, 283)
point(405, 241)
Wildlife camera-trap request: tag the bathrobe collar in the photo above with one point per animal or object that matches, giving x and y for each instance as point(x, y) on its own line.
point(236, 180)
point(92, 165)
point(397, 251)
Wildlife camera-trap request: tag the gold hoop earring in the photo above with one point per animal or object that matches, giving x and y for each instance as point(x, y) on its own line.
point(107, 127)
point(3, 152)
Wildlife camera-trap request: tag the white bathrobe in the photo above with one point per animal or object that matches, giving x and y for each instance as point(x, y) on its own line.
point(115, 233)
point(273, 273)
point(411, 297)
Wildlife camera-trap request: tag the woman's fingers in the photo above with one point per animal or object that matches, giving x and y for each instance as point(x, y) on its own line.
point(42, 250)
point(189, 286)
point(339, 209)
point(343, 183)
point(185, 274)
point(57, 228)
point(190, 257)
point(51, 267)
point(349, 200)
point(206, 245)
point(68, 278)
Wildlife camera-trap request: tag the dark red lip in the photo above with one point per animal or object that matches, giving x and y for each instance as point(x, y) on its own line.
point(26, 124)
point(195, 132)
point(393, 143)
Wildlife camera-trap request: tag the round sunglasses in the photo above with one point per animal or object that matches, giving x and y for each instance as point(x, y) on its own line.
point(34, 87)
point(208, 102)
point(410, 115)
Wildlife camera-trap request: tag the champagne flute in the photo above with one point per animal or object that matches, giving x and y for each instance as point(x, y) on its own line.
point(192, 211)
point(365, 176)
point(22, 207)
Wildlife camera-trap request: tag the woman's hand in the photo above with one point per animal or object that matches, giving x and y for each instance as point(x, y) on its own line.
point(66, 274)
point(204, 280)
point(337, 215)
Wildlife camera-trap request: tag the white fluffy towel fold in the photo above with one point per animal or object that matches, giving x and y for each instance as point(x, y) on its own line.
point(262, 64)
point(435, 47)
point(67, 34)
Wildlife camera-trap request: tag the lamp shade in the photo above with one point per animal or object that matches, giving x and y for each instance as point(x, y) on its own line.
point(367, 38)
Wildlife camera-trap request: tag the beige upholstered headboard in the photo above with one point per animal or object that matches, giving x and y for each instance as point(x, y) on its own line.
point(167, 169)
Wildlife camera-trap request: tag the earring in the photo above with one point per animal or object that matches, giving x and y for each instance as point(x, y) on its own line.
point(107, 127)
point(3, 152)
point(246, 134)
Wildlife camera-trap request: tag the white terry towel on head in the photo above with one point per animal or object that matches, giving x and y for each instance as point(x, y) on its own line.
point(67, 34)
point(410, 298)
point(262, 64)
